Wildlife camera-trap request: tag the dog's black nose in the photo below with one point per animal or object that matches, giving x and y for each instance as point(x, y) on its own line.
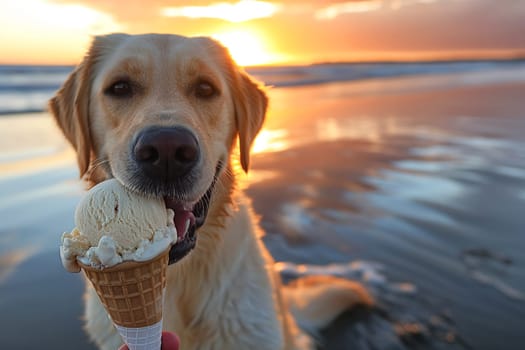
point(166, 153)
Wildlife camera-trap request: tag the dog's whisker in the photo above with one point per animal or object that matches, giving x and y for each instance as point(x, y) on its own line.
point(100, 163)
point(227, 175)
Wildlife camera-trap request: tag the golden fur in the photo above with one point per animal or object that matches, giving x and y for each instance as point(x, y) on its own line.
point(225, 294)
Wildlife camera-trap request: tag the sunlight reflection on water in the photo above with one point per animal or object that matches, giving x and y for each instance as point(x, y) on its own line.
point(270, 140)
point(405, 195)
point(10, 260)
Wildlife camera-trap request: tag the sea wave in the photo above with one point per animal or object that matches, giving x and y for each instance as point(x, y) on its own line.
point(28, 88)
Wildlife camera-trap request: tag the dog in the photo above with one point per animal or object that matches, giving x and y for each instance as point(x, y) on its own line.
point(162, 114)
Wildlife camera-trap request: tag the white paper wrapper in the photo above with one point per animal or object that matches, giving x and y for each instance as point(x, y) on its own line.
point(145, 338)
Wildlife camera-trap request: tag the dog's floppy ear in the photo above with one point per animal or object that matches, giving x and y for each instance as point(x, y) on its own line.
point(250, 109)
point(70, 107)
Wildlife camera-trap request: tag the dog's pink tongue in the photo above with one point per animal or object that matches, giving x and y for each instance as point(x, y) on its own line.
point(183, 218)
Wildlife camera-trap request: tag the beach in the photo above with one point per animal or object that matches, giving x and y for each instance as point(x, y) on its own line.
point(412, 184)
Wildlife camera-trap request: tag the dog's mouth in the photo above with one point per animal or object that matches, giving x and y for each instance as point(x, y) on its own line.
point(188, 218)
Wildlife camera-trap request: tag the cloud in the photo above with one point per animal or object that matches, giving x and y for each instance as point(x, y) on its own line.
point(361, 6)
point(237, 12)
point(338, 9)
point(397, 4)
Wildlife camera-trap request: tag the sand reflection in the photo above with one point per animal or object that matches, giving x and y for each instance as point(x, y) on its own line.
point(9, 261)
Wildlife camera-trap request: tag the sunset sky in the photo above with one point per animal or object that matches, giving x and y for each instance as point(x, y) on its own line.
point(271, 32)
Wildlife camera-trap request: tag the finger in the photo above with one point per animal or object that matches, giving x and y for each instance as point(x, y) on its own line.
point(170, 341)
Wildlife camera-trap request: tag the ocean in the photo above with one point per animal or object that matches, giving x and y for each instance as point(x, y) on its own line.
point(26, 89)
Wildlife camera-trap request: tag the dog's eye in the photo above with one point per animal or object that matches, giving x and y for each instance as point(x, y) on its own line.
point(204, 89)
point(120, 89)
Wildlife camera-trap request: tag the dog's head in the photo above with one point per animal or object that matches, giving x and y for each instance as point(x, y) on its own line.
point(160, 113)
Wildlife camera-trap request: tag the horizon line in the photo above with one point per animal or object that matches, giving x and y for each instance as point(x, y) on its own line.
point(425, 57)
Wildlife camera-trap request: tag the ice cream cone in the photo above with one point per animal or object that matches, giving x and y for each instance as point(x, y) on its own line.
point(133, 293)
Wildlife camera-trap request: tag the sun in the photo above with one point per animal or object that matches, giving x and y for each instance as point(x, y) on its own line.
point(246, 47)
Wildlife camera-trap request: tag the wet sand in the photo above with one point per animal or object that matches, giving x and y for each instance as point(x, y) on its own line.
point(422, 180)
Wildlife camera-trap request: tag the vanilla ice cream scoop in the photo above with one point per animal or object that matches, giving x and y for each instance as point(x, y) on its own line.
point(116, 225)
point(110, 209)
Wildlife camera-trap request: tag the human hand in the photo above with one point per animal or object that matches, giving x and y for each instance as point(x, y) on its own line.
point(170, 341)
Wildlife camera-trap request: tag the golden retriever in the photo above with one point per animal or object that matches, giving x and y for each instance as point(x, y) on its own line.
point(161, 114)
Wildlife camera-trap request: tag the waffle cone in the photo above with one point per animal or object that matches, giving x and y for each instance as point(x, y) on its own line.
point(132, 292)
